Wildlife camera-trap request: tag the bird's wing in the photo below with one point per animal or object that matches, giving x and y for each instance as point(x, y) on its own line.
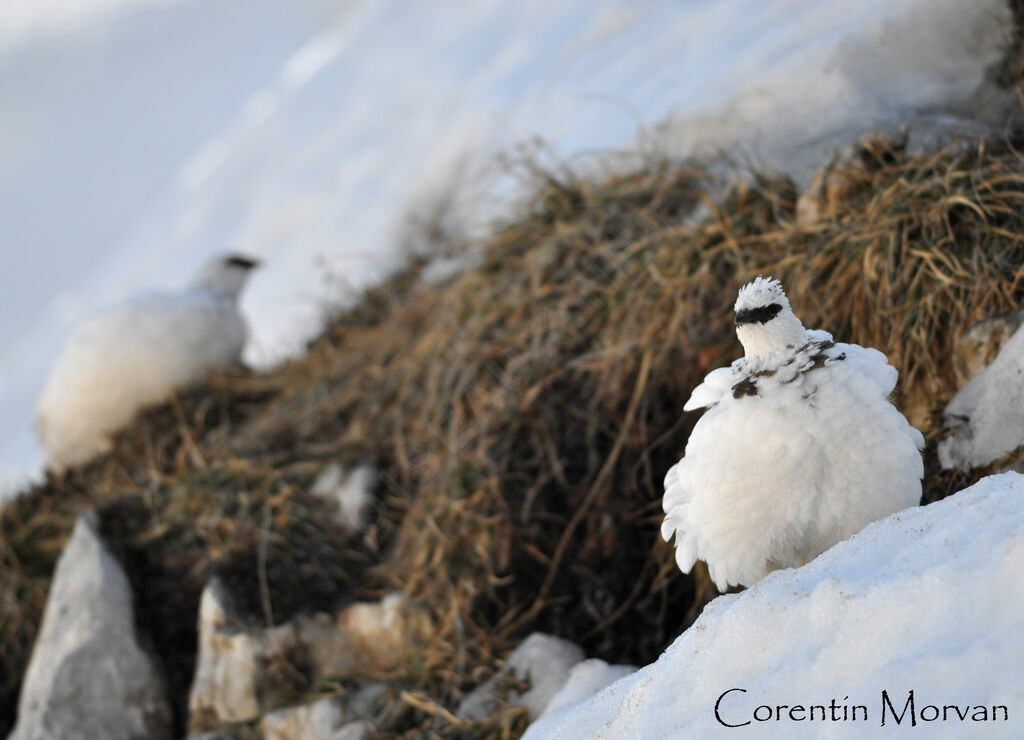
point(676, 503)
point(867, 374)
point(716, 385)
point(871, 364)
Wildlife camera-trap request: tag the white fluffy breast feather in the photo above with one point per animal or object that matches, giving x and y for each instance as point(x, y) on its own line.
point(126, 359)
point(789, 460)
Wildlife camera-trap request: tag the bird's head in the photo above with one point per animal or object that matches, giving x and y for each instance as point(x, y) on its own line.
point(765, 323)
point(226, 275)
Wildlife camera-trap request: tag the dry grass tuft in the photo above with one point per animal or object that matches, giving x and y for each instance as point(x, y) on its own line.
point(523, 414)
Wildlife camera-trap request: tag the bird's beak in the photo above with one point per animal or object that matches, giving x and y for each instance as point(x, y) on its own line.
point(759, 315)
point(743, 317)
point(246, 263)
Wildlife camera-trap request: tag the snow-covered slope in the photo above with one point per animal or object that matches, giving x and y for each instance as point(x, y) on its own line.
point(929, 601)
point(100, 102)
point(393, 108)
point(397, 111)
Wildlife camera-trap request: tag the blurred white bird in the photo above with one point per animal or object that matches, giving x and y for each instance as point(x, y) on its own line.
point(135, 355)
point(800, 448)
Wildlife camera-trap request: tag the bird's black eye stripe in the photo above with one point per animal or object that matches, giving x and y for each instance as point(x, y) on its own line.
point(245, 263)
point(759, 315)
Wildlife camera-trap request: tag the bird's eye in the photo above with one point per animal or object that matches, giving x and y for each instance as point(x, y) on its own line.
point(759, 315)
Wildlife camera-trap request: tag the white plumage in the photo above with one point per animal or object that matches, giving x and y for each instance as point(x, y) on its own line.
point(799, 449)
point(135, 355)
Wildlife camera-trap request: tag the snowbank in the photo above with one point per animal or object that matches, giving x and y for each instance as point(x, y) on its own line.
point(395, 111)
point(925, 64)
point(927, 601)
point(586, 679)
point(21, 22)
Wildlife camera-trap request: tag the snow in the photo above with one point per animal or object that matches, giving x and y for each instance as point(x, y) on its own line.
point(94, 122)
point(543, 660)
point(800, 448)
point(21, 22)
point(921, 63)
point(586, 678)
point(391, 112)
point(986, 416)
point(928, 600)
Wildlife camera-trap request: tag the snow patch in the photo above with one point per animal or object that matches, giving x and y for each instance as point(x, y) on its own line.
point(586, 679)
point(543, 660)
point(371, 117)
point(927, 600)
point(22, 21)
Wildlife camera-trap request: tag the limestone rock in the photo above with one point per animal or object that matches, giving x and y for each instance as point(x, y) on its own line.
point(243, 672)
point(88, 677)
point(543, 660)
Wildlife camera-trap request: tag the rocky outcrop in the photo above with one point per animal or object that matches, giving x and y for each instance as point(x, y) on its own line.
point(242, 672)
point(89, 677)
point(543, 660)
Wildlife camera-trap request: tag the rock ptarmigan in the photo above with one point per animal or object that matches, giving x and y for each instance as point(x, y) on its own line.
point(799, 449)
point(135, 355)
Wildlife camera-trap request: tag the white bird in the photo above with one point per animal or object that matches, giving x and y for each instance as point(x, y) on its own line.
point(800, 448)
point(135, 355)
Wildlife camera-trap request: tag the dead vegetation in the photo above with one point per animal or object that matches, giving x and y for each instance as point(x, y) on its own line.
point(522, 414)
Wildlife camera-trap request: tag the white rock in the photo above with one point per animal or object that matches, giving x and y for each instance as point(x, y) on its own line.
point(360, 730)
point(986, 417)
point(88, 677)
point(240, 670)
point(543, 660)
point(351, 492)
point(344, 716)
point(929, 599)
point(586, 679)
point(224, 688)
point(134, 356)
